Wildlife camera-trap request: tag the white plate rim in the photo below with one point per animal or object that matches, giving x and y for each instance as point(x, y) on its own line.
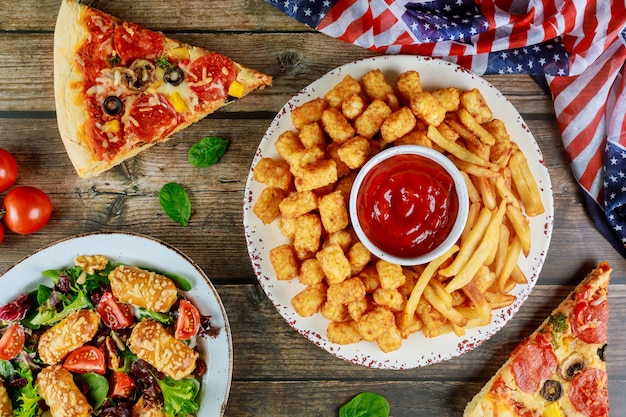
point(260, 238)
point(141, 250)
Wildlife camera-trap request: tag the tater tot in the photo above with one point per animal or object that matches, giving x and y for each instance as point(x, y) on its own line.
point(288, 145)
point(333, 212)
point(343, 238)
point(308, 112)
point(474, 102)
point(308, 233)
point(308, 301)
point(353, 107)
point(427, 108)
point(312, 136)
point(287, 226)
point(358, 308)
point(343, 332)
point(332, 152)
point(450, 98)
point(358, 256)
point(334, 312)
point(336, 125)
point(372, 325)
point(355, 152)
point(273, 173)
point(398, 124)
point(407, 324)
point(368, 124)
point(316, 175)
point(344, 184)
point(284, 261)
point(342, 91)
point(334, 263)
point(375, 85)
point(391, 340)
point(298, 204)
point(407, 84)
point(390, 275)
point(393, 299)
point(266, 207)
point(370, 278)
point(311, 272)
point(346, 292)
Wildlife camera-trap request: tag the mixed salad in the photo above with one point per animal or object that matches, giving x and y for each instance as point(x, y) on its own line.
point(105, 370)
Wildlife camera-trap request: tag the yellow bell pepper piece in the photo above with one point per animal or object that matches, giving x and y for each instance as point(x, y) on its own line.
point(112, 126)
point(235, 89)
point(552, 410)
point(178, 102)
point(179, 54)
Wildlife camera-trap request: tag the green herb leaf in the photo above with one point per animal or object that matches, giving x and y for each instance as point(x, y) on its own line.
point(27, 402)
point(175, 202)
point(366, 404)
point(98, 388)
point(163, 318)
point(207, 151)
point(164, 62)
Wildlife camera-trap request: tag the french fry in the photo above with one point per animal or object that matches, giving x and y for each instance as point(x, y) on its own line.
point(456, 149)
point(472, 215)
point(503, 247)
point(438, 303)
point(474, 195)
point(481, 253)
point(509, 263)
point(424, 279)
point(525, 184)
point(518, 275)
point(468, 246)
point(469, 122)
point(505, 192)
point(486, 191)
point(480, 303)
point(520, 224)
point(475, 170)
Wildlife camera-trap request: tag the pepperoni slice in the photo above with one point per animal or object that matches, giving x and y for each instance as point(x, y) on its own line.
point(534, 362)
point(132, 42)
point(589, 394)
point(590, 319)
point(211, 75)
point(152, 117)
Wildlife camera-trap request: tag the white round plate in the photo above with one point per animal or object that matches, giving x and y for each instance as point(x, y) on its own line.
point(417, 350)
point(140, 251)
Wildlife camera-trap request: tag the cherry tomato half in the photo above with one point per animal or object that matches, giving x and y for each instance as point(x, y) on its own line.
point(188, 321)
point(8, 170)
point(114, 314)
point(121, 385)
point(12, 342)
point(28, 209)
point(86, 359)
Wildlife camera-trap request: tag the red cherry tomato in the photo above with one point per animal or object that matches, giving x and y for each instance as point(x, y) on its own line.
point(86, 359)
point(11, 342)
point(114, 314)
point(121, 385)
point(188, 321)
point(28, 209)
point(8, 170)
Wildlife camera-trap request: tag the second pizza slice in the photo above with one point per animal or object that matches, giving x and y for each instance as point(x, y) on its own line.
point(560, 369)
point(120, 88)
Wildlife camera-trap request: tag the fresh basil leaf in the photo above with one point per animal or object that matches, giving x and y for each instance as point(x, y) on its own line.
point(98, 388)
point(207, 151)
point(180, 282)
point(366, 404)
point(175, 202)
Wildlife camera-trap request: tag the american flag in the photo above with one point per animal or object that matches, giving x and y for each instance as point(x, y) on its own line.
point(579, 46)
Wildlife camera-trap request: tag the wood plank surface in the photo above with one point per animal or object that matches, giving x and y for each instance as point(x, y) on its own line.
point(271, 360)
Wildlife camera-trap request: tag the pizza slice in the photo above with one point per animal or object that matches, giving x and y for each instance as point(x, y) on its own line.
point(121, 88)
point(560, 369)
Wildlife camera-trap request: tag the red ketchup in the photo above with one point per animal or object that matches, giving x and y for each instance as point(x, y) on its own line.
point(407, 205)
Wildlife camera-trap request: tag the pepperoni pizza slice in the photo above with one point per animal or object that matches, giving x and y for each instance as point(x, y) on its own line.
point(560, 369)
point(121, 88)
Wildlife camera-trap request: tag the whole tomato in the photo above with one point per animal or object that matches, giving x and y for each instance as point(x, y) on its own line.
point(27, 209)
point(8, 170)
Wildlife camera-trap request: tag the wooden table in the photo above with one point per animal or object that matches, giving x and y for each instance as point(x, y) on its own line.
point(276, 372)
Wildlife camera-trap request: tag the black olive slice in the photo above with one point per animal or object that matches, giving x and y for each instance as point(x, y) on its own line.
point(551, 390)
point(174, 76)
point(112, 105)
point(602, 353)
